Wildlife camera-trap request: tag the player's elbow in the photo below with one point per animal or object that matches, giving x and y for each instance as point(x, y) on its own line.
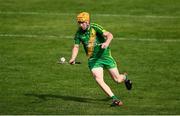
point(110, 35)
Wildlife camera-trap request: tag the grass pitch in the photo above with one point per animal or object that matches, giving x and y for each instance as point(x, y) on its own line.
point(34, 34)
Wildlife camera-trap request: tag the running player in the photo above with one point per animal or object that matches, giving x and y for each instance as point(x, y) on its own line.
point(96, 40)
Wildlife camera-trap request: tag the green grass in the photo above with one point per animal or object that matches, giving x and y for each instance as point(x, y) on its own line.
point(31, 82)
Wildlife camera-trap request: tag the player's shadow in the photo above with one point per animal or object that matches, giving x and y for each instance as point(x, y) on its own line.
point(46, 97)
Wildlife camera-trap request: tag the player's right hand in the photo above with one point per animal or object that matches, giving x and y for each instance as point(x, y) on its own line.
point(72, 61)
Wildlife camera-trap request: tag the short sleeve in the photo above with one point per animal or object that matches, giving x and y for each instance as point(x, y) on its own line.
point(99, 29)
point(76, 39)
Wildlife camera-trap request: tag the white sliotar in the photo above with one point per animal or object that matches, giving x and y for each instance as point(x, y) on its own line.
point(62, 59)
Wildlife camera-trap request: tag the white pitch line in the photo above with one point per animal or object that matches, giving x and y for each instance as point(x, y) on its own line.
point(73, 14)
point(71, 37)
point(34, 36)
point(34, 13)
point(148, 39)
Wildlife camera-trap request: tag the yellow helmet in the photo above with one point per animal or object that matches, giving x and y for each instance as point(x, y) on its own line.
point(83, 17)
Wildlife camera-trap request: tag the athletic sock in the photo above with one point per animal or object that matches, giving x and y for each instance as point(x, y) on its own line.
point(125, 77)
point(114, 97)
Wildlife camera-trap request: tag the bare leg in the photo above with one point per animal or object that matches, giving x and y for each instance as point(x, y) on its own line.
point(98, 75)
point(119, 78)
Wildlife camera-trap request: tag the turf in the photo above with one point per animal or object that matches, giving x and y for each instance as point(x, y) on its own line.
point(34, 34)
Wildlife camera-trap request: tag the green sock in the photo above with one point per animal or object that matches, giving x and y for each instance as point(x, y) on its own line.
point(114, 97)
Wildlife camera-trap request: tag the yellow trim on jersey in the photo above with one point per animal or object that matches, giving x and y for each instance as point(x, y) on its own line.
point(91, 43)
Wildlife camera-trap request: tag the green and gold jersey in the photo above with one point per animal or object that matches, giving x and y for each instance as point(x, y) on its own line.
point(92, 38)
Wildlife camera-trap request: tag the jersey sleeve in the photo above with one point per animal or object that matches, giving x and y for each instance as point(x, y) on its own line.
point(77, 39)
point(99, 29)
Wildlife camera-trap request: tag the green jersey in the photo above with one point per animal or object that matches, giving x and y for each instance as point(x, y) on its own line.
point(92, 38)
